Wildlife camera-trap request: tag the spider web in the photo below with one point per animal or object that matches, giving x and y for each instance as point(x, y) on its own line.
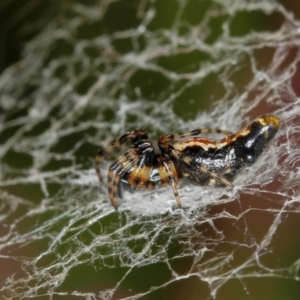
point(106, 67)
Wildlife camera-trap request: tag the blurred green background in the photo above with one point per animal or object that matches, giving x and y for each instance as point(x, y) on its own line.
point(22, 21)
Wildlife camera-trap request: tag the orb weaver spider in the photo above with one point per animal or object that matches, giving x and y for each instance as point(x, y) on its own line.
point(185, 155)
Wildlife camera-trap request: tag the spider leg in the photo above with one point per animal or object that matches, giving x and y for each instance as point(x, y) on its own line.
point(199, 131)
point(115, 173)
point(138, 162)
point(169, 175)
point(175, 190)
point(188, 161)
point(213, 174)
point(139, 176)
point(131, 136)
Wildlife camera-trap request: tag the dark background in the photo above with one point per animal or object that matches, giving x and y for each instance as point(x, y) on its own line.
point(20, 20)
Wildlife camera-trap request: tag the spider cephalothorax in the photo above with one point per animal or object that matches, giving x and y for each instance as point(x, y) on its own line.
point(185, 155)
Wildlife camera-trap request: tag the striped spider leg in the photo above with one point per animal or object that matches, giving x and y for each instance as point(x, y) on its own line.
point(139, 168)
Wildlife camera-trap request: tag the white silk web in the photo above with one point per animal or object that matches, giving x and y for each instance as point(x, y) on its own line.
point(105, 67)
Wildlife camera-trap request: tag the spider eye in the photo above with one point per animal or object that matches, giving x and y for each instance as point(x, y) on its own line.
point(143, 146)
point(250, 158)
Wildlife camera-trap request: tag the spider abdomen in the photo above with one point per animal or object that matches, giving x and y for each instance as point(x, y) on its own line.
point(208, 163)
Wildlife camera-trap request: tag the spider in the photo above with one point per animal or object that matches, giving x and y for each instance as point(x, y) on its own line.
point(185, 155)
